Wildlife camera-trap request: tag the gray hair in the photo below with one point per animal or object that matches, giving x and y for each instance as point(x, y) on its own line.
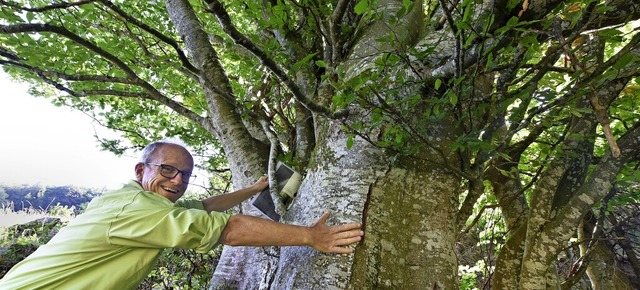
point(148, 150)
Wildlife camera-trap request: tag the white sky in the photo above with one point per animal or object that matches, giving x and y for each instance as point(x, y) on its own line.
point(49, 145)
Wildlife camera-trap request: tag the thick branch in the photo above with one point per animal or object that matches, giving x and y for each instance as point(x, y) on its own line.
point(334, 28)
point(273, 154)
point(597, 186)
point(476, 189)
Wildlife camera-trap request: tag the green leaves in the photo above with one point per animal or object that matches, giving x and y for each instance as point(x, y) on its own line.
point(437, 84)
point(625, 61)
point(11, 16)
point(342, 100)
point(361, 7)
point(107, 85)
point(305, 61)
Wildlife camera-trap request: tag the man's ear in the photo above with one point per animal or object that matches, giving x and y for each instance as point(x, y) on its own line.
point(139, 171)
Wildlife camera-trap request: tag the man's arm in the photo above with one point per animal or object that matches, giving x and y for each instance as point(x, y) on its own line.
point(243, 230)
point(226, 201)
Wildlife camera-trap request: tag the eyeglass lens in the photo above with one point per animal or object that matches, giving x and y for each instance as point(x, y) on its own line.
point(169, 171)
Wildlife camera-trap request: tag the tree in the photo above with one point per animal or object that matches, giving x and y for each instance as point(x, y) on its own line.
point(413, 117)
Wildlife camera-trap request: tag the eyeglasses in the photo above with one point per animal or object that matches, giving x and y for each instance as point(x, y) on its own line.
point(169, 171)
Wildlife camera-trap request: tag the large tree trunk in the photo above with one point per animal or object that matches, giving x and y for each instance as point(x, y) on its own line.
point(393, 257)
point(247, 156)
point(407, 207)
point(338, 180)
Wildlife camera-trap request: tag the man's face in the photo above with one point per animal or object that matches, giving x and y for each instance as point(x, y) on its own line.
point(150, 178)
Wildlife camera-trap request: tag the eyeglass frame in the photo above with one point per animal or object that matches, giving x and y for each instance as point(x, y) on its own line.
point(182, 172)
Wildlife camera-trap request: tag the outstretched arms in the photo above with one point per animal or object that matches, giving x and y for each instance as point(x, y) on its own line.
point(244, 230)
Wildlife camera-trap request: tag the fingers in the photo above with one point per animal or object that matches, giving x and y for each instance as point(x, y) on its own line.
point(348, 238)
point(348, 227)
point(348, 241)
point(323, 219)
point(347, 231)
point(261, 183)
point(342, 246)
point(336, 239)
point(262, 179)
point(345, 236)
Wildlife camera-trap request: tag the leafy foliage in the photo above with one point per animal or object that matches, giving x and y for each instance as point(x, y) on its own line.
point(182, 269)
point(19, 241)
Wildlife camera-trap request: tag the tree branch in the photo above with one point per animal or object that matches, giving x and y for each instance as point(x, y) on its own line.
point(334, 28)
point(153, 92)
point(597, 186)
point(458, 55)
point(273, 154)
point(221, 14)
point(55, 74)
point(623, 241)
point(46, 77)
point(183, 58)
point(61, 5)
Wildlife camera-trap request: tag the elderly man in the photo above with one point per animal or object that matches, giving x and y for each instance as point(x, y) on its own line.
point(116, 242)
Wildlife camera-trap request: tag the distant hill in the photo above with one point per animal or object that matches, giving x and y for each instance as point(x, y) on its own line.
point(41, 197)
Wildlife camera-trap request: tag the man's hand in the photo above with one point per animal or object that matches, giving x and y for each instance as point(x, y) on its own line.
point(334, 239)
point(260, 184)
point(226, 201)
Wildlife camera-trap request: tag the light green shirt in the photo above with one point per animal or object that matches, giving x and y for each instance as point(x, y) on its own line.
point(116, 242)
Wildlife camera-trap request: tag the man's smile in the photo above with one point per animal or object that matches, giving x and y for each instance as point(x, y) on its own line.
point(169, 189)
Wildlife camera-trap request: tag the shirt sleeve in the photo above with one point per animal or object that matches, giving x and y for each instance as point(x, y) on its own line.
point(168, 227)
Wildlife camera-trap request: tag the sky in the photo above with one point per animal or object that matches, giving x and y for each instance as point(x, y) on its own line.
point(48, 145)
